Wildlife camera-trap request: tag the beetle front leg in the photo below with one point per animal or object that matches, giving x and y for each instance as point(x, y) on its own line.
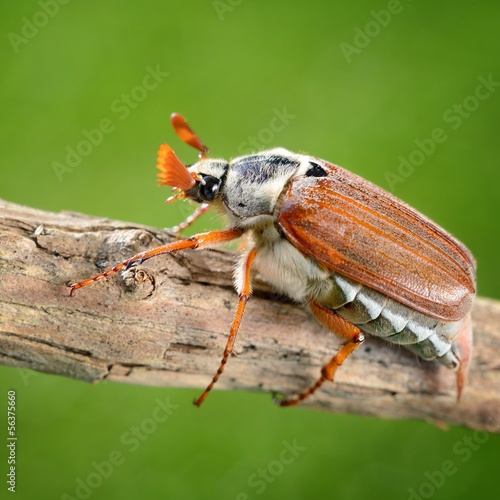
point(204, 207)
point(197, 241)
point(341, 327)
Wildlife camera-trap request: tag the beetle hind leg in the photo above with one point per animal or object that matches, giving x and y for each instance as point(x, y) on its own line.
point(341, 327)
point(463, 344)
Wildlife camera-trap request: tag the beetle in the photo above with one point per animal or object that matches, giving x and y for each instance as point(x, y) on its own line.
point(363, 261)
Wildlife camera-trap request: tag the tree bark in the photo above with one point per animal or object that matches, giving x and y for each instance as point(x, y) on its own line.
point(165, 322)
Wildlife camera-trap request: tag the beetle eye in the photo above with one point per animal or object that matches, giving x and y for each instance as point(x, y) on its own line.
point(315, 170)
point(209, 190)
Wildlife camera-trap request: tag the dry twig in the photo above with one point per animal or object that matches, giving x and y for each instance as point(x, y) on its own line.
point(165, 323)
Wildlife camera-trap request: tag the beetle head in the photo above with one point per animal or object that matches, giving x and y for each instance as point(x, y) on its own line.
point(201, 182)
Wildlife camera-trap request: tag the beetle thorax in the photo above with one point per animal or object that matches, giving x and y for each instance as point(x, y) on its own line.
point(254, 184)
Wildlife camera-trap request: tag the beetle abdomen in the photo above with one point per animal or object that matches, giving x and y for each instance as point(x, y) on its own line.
point(381, 316)
point(299, 277)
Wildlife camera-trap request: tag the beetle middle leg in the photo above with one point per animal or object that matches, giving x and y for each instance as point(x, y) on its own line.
point(341, 327)
point(244, 292)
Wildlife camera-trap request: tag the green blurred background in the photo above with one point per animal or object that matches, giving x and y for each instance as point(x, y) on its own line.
point(360, 85)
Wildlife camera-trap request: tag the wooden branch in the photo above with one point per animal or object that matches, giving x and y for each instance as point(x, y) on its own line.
point(166, 321)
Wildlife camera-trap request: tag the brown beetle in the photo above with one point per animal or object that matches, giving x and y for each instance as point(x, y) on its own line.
point(364, 261)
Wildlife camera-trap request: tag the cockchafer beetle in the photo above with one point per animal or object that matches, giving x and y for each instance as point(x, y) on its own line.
point(363, 260)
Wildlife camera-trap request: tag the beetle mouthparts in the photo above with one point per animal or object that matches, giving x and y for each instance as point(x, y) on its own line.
point(172, 171)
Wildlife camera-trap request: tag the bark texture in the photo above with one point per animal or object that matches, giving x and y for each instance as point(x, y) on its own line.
point(165, 323)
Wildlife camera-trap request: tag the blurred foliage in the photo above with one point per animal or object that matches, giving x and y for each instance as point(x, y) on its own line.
point(362, 84)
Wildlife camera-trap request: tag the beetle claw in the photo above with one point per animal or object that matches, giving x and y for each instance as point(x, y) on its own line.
point(281, 400)
point(278, 398)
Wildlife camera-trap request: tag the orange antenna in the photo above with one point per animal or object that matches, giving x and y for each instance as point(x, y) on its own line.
point(172, 171)
point(186, 134)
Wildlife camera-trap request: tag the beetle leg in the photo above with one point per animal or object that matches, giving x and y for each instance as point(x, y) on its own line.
point(204, 207)
point(201, 240)
point(463, 343)
point(244, 292)
point(341, 327)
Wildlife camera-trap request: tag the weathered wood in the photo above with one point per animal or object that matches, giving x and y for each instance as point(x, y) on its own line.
point(166, 321)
